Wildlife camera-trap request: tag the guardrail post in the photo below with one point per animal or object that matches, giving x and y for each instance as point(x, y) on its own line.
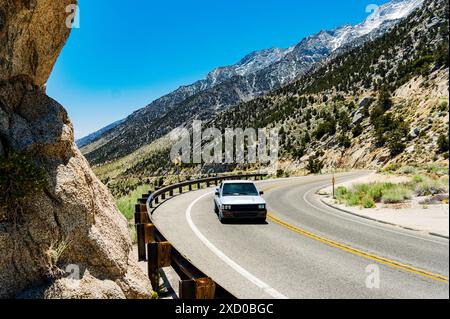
point(205, 288)
point(156, 200)
point(186, 289)
point(171, 192)
point(190, 187)
point(140, 230)
point(198, 185)
point(201, 288)
point(163, 196)
point(149, 230)
point(180, 189)
point(141, 219)
point(140, 214)
point(159, 256)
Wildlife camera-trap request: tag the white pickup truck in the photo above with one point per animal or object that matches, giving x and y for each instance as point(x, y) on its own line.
point(239, 200)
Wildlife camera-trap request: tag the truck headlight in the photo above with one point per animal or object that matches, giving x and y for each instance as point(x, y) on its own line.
point(262, 206)
point(226, 207)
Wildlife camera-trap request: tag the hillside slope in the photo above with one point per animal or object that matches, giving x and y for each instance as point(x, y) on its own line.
point(384, 102)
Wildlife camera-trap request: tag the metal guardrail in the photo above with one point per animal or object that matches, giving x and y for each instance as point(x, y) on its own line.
point(160, 253)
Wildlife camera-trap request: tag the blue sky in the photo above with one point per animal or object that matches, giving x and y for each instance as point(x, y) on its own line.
point(128, 53)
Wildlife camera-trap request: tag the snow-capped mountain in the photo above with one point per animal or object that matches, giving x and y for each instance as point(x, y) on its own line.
point(257, 73)
point(389, 12)
point(251, 63)
point(287, 64)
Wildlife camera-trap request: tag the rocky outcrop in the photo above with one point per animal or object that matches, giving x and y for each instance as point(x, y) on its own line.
point(69, 241)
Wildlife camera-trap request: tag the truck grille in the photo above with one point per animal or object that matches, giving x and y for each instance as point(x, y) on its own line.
point(244, 208)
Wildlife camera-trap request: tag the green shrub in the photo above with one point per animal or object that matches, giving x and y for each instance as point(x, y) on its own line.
point(429, 186)
point(341, 192)
point(353, 199)
point(314, 165)
point(361, 188)
point(407, 170)
point(392, 167)
point(377, 190)
point(127, 203)
point(368, 202)
point(280, 173)
point(417, 179)
point(357, 130)
point(396, 195)
point(443, 144)
point(19, 177)
point(367, 195)
point(443, 107)
point(328, 127)
point(436, 169)
point(344, 141)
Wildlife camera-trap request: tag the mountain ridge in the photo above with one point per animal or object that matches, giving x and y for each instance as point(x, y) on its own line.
point(217, 91)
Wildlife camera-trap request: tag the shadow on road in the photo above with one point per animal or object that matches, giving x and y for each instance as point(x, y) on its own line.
point(245, 222)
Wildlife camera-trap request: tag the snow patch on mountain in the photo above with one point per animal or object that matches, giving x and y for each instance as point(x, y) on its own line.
point(391, 11)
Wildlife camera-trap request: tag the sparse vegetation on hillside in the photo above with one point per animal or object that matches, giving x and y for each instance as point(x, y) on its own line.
point(333, 106)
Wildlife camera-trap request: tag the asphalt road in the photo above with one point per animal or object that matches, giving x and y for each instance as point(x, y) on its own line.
point(306, 249)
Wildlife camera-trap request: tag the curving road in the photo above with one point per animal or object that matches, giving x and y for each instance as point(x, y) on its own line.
point(306, 249)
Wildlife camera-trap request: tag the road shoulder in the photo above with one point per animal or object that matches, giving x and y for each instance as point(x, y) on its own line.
point(432, 219)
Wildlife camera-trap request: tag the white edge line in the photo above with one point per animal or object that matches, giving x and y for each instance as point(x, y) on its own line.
point(262, 285)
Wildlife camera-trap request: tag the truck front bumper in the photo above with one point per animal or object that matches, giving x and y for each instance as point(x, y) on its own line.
point(258, 214)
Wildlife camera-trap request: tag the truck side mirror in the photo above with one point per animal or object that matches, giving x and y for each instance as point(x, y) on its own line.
point(217, 193)
point(261, 193)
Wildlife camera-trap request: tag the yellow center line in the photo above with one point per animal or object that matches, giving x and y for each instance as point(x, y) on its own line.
point(354, 251)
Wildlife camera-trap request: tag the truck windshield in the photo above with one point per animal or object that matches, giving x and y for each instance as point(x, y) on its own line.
point(239, 189)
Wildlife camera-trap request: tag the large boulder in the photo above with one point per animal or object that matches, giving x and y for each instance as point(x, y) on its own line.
point(68, 241)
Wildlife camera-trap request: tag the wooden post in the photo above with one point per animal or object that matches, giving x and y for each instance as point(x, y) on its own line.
point(205, 288)
point(163, 196)
point(198, 185)
point(137, 214)
point(149, 230)
point(180, 189)
point(153, 271)
point(190, 187)
point(171, 193)
point(159, 256)
point(186, 289)
point(140, 214)
point(140, 230)
point(201, 288)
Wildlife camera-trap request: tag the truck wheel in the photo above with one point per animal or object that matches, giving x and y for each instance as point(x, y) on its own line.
point(222, 219)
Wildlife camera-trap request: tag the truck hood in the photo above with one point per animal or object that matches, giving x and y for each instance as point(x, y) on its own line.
point(242, 200)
